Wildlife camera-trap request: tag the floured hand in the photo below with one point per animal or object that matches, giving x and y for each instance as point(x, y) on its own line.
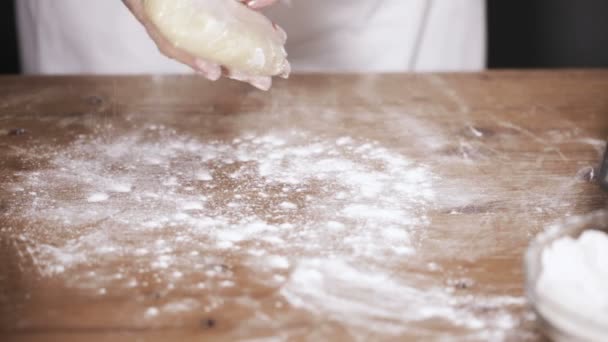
point(217, 37)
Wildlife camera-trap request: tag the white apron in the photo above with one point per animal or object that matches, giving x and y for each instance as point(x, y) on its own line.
point(102, 37)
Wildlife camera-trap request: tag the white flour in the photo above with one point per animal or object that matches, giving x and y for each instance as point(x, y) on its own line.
point(342, 292)
point(359, 198)
point(575, 276)
point(322, 220)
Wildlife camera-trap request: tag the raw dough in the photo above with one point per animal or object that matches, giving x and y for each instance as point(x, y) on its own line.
point(224, 32)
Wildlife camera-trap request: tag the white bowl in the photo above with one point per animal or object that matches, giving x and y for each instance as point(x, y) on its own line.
point(556, 321)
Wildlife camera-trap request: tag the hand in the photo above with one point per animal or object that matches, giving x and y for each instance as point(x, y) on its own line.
point(210, 70)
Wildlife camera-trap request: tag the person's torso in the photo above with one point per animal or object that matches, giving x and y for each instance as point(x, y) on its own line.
point(68, 36)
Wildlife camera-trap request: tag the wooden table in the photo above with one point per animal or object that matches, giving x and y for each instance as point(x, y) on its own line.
point(333, 207)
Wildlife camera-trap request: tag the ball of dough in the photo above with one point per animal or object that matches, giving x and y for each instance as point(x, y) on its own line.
point(225, 32)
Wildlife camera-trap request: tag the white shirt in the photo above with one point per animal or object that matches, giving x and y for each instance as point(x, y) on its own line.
point(102, 37)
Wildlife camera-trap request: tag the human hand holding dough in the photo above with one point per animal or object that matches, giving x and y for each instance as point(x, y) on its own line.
point(217, 37)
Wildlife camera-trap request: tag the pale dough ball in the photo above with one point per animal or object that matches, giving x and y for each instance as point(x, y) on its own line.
point(222, 31)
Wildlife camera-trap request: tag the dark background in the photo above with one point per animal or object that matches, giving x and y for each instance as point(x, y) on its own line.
point(522, 34)
point(9, 60)
point(548, 33)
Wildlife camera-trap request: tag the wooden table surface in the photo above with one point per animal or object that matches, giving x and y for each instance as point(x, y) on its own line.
point(336, 207)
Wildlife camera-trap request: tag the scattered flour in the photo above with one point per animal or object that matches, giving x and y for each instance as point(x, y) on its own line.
point(120, 187)
point(288, 206)
point(336, 289)
point(345, 211)
point(99, 197)
point(184, 305)
point(278, 262)
point(293, 191)
point(151, 312)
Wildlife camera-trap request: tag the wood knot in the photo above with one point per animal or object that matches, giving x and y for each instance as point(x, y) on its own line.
point(17, 131)
point(95, 100)
point(208, 323)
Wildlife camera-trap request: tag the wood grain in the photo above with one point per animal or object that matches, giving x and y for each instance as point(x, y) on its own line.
point(527, 142)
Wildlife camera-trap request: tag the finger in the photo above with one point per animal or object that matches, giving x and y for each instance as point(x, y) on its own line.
point(236, 75)
point(256, 4)
point(210, 70)
point(261, 82)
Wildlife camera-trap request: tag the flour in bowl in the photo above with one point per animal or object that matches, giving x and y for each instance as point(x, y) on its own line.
point(574, 276)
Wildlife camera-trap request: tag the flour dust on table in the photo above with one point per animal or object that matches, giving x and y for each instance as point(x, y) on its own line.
point(317, 222)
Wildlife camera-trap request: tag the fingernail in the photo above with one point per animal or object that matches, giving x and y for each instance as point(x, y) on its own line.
point(237, 75)
point(262, 83)
point(214, 75)
point(212, 71)
point(253, 3)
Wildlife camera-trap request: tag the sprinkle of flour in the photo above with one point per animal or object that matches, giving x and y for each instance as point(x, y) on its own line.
point(151, 312)
point(338, 290)
point(98, 197)
point(125, 187)
point(379, 195)
point(345, 211)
